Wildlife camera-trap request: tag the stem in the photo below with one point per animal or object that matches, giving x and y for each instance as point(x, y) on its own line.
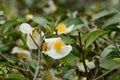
point(38, 65)
point(39, 55)
point(34, 41)
point(83, 55)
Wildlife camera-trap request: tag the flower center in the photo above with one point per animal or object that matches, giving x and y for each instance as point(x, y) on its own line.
point(35, 33)
point(44, 46)
point(57, 45)
point(61, 27)
point(21, 55)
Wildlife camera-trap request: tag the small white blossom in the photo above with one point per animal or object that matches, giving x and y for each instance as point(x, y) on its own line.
point(21, 53)
point(90, 65)
point(33, 36)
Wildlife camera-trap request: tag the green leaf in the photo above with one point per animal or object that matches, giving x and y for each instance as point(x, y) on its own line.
point(108, 62)
point(69, 73)
point(104, 13)
point(7, 26)
point(14, 35)
point(40, 20)
point(70, 21)
point(93, 36)
point(15, 77)
point(33, 64)
point(69, 60)
point(115, 76)
point(106, 51)
point(113, 20)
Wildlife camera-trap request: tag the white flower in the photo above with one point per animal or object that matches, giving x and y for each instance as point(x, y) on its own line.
point(33, 36)
point(62, 29)
point(51, 7)
point(56, 48)
point(21, 53)
point(90, 65)
point(26, 28)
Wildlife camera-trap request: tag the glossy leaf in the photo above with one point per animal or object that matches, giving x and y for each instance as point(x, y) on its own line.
point(93, 36)
point(113, 20)
point(104, 13)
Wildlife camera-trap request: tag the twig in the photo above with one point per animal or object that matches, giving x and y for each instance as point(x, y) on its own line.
point(34, 41)
point(39, 56)
point(38, 65)
point(83, 54)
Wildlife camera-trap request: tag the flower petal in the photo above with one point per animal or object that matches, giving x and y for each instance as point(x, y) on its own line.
point(69, 29)
point(58, 55)
point(26, 28)
point(16, 50)
point(30, 42)
point(50, 41)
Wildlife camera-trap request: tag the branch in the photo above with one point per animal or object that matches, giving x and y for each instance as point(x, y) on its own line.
point(83, 54)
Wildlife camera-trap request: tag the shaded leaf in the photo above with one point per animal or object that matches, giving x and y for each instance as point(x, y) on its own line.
point(69, 60)
point(8, 25)
point(109, 62)
point(69, 73)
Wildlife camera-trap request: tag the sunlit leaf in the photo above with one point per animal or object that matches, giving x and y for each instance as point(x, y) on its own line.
point(93, 36)
point(40, 20)
point(104, 13)
point(112, 20)
point(15, 77)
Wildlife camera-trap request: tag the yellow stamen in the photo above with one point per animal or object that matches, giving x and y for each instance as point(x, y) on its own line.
point(57, 45)
point(15, 70)
point(21, 55)
point(44, 46)
point(35, 33)
point(61, 27)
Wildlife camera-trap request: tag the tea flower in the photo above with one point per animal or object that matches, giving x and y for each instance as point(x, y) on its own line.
point(21, 53)
point(90, 65)
point(55, 48)
point(62, 29)
point(51, 8)
point(31, 32)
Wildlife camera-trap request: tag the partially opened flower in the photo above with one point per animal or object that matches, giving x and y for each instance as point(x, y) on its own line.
point(90, 65)
point(33, 36)
point(21, 53)
point(63, 29)
point(51, 7)
point(55, 48)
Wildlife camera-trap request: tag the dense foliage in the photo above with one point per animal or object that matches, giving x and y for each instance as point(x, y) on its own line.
point(59, 40)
